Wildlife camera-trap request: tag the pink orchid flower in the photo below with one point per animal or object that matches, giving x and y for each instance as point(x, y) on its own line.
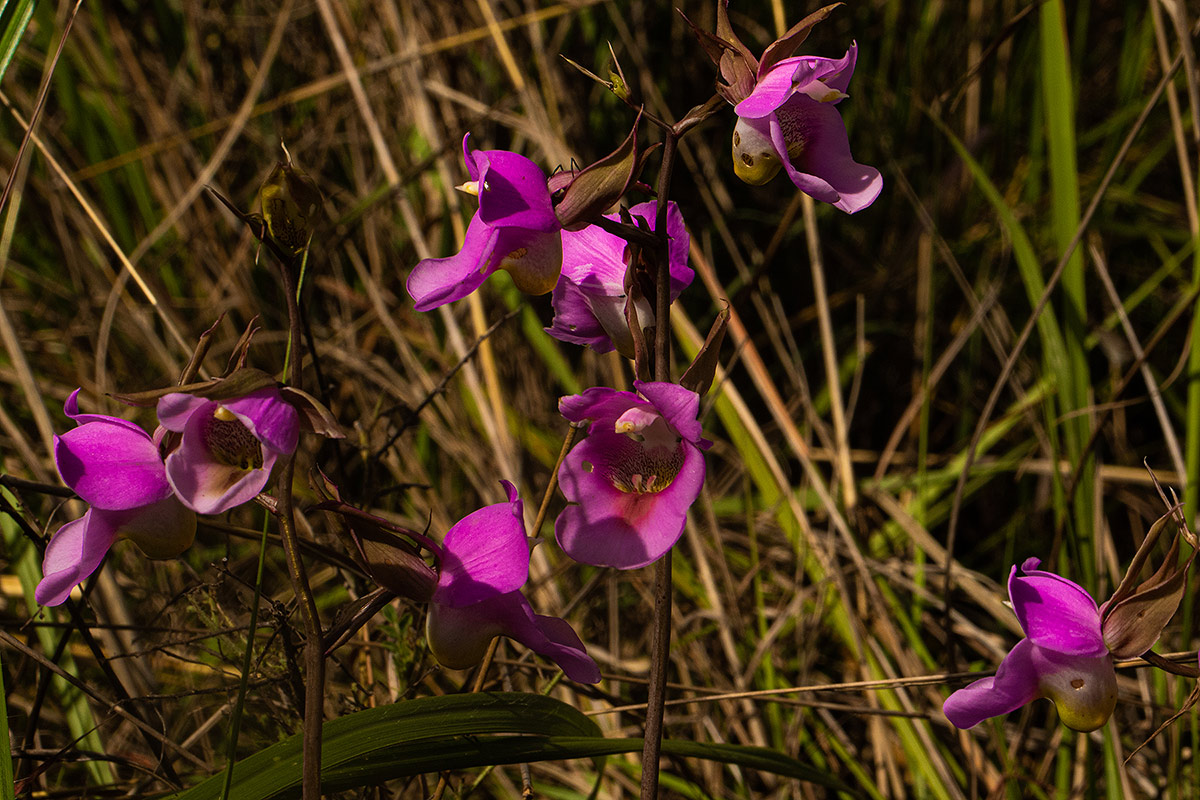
point(790, 120)
point(515, 229)
point(484, 564)
point(1063, 657)
point(227, 448)
point(589, 298)
point(633, 479)
point(115, 467)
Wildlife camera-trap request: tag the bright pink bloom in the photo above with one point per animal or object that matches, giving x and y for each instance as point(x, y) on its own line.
point(514, 229)
point(115, 467)
point(227, 448)
point(484, 564)
point(1063, 657)
point(633, 479)
point(589, 298)
point(790, 119)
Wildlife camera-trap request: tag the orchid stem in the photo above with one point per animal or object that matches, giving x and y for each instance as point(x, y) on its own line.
point(314, 655)
point(660, 643)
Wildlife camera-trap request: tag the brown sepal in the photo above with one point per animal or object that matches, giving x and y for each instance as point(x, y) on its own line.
point(237, 384)
point(314, 416)
point(596, 188)
point(352, 616)
point(697, 114)
point(736, 63)
point(385, 551)
point(237, 359)
point(785, 45)
point(1134, 617)
point(699, 376)
point(641, 358)
point(202, 346)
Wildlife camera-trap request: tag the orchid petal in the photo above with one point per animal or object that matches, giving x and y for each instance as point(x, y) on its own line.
point(532, 258)
point(598, 403)
point(1083, 688)
point(161, 530)
point(1055, 613)
point(577, 315)
point(824, 167)
point(74, 553)
point(436, 281)
point(459, 637)
point(111, 466)
point(513, 192)
point(609, 527)
point(71, 408)
point(1014, 685)
point(175, 409)
point(204, 484)
point(679, 406)
point(472, 157)
point(484, 555)
point(273, 421)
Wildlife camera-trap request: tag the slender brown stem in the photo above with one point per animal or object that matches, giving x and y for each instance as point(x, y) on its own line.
point(314, 655)
point(660, 643)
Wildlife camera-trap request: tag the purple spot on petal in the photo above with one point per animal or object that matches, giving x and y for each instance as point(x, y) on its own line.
point(231, 443)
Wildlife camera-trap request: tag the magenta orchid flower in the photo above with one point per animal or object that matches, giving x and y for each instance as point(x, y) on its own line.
point(514, 229)
point(589, 298)
point(790, 120)
point(633, 479)
point(484, 564)
point(115, 467)
point(1063, 657)
point(227, 448)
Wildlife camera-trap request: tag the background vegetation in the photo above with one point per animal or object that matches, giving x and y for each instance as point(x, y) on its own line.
point(815, 560)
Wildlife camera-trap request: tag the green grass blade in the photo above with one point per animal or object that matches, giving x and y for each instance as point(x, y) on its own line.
point(1064, 219)
point(6, 766)
point(14, 25)
point(80, 723)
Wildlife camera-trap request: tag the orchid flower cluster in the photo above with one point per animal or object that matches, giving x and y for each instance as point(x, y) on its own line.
point(205, 457)
point(612, 268)
point(630, 482)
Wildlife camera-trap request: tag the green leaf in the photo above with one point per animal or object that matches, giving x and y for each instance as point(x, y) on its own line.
point(460, 732)
point(467, 752)
point(14, 25)
point(432, 726)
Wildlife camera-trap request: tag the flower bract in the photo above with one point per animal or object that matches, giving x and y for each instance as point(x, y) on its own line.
point(227, 448)
point(589, 298)
point(790, 121)
point(1063, 657)
point(484, 564)
point(515, 229)
point(633, 479)
point(114, 466)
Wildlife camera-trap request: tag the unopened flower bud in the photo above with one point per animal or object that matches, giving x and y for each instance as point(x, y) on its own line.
point(290, 202)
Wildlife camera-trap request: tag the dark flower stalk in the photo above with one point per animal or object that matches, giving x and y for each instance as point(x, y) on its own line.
point(314, 651)
point(660, 642)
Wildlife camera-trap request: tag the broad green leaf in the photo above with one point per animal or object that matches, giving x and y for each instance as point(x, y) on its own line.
point(426, 725)
point(468, 752)
point(461, 732)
